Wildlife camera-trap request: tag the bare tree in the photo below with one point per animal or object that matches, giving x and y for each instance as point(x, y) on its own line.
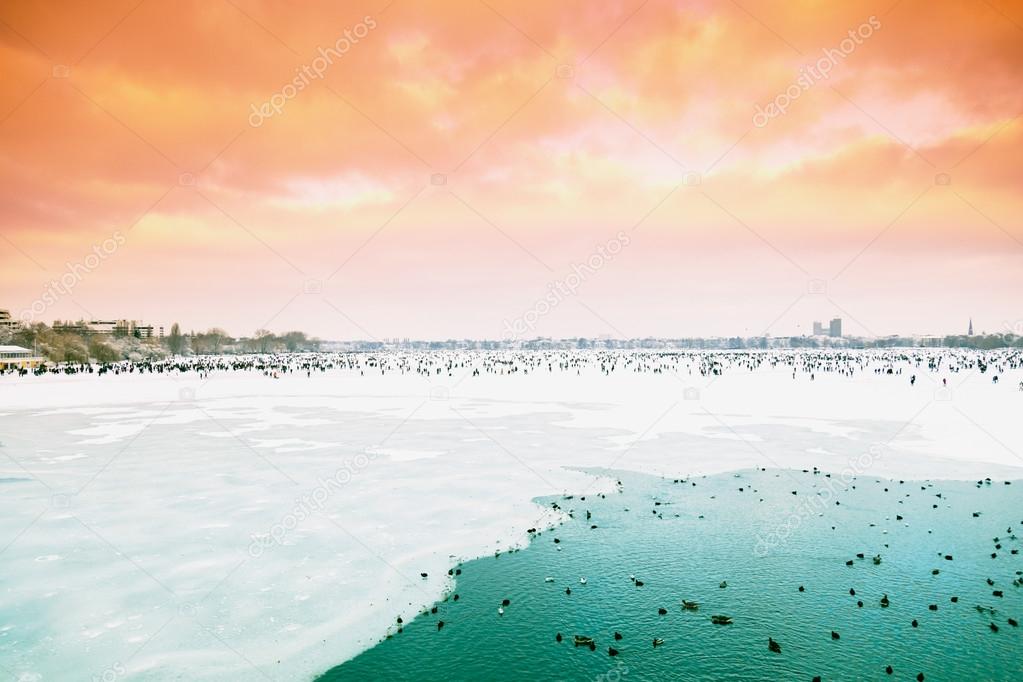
point(216, 338)
point(294, 340)
point(264, 339)
point(175, 341)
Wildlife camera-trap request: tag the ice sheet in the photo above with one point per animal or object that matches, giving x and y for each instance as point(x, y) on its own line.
point(243, 526)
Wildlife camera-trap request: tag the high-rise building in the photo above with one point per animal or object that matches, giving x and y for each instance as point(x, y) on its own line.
point(118, 328)
point(818, 328)
point(6, 321)
point(835, 328)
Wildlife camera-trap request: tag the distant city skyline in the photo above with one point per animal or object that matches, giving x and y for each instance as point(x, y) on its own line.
point(833, 328)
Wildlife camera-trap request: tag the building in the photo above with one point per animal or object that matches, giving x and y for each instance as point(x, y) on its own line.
point(818, 328)
point(970, 331)
point(16, 357)
point(6, 322)
point(79, 327)
point(835, 328)
point(108, 328)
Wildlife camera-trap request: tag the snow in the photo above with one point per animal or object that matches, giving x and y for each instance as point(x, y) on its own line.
point(156, 525)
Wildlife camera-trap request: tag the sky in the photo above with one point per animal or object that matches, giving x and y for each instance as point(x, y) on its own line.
point(513, 169)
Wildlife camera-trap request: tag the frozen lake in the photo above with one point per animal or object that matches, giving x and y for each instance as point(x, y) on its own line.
point(837, 550)
point(155, 526)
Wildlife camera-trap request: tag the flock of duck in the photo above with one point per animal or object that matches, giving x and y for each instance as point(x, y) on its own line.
point(472, 363)
point(808, 363)
point(1001, 544)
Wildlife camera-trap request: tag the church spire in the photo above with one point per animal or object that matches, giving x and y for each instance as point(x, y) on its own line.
point(970, 332)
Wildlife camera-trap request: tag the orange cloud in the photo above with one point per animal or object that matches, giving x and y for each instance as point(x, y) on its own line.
point(486, 146)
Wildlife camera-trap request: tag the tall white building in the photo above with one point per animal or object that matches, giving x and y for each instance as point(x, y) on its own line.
point(107, 328)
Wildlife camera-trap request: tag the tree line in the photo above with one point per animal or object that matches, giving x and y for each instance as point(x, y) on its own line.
point(77, 346)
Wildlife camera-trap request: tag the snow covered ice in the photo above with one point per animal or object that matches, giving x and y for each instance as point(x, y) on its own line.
point(156, 525)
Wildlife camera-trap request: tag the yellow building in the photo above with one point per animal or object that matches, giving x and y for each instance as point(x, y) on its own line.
point(18, 357)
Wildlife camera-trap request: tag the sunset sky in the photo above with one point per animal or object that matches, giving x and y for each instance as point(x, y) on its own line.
point(452, 161)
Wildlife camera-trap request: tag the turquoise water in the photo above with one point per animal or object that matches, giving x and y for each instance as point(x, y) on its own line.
point(750, 531)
